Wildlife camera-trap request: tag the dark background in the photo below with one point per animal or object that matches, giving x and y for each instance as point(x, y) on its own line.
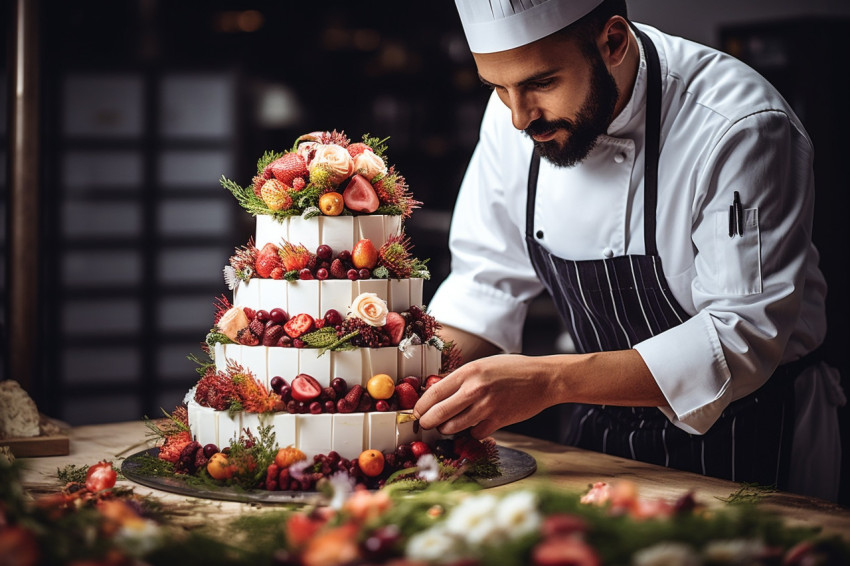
point(144, 104)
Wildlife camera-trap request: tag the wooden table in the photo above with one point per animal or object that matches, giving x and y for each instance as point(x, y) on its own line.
point(572, 469)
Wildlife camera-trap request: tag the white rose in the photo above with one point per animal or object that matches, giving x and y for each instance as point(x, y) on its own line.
point(370, 308)
point(336, 160)
point(370, 165)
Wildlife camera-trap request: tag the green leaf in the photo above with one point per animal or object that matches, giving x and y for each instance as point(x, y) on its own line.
point(267, 158)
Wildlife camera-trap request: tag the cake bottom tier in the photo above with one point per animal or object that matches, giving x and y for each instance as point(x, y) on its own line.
point(346, 433)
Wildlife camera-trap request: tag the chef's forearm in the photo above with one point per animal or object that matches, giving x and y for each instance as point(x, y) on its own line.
point(604, 378)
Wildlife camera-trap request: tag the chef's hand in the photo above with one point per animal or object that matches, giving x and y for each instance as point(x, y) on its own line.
point(485, 395)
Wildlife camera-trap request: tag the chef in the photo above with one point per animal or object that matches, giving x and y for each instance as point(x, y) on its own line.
point(662, 193)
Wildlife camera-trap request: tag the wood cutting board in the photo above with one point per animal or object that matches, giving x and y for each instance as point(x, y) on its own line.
point(34, 446)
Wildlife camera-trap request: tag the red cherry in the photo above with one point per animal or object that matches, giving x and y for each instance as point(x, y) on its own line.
point(364, 273)
point(382, 406)
point(324, 252)
point(344, 255)
point(278, 315)
point(339, 385)
point(322, 274)
point(210, 449)
point(315, 408)
point(352, 274)
point(333, 317)
point(277, 382)
point(263, 316)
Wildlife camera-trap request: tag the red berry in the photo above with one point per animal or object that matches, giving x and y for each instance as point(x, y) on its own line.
point(330, 406)
point(315, 408)
point(278, 316)
point(382, 406)
point(210, 449)
point(324, 252)
point(339, 385)
point(344, 255)
point(352, 274)
point(413, 381)
point(407, 396)
point(322, 274)
point(431, 380)
point(286, 393)
point(297, 343)
point(333, 317)
point(364, 273)
point(263, 316)
point(277, 382)
point(419, 448)
point(305, 275)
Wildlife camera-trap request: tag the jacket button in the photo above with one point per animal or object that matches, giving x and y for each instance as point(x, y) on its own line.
point(619, 158)
point(608, 252)
point(539, 234)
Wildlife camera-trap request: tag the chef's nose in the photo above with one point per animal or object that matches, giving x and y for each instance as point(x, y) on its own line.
point(523, 111)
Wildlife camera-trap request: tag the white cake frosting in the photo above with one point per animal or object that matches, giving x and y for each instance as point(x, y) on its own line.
point(338, 232)
point(346, 433)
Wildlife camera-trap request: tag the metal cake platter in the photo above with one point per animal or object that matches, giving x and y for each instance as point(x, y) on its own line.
point(514, 465)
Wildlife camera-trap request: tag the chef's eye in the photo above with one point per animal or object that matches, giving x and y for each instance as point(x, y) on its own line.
point(540, 85)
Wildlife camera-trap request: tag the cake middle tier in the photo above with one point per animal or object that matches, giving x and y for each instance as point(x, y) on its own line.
point(315, 297)
point(338, 232)
point(354, 366)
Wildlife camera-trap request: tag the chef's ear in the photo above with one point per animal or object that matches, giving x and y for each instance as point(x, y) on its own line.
point(614, 41)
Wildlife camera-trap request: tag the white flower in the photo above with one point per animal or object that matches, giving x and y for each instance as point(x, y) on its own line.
point(370, 165)
point(335, 159)
point(434, 544)
point(735, 551)
point(473, 519)
point(666, 554)
point(370, 308)
point(429, 468)
point(517, 514)
point(296, 470)
point(138, 537)
point(407, 345)
point(342, 485)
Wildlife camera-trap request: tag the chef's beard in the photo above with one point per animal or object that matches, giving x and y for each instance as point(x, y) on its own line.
point(592, 120)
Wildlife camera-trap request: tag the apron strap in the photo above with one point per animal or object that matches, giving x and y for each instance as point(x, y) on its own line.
point(651, 152)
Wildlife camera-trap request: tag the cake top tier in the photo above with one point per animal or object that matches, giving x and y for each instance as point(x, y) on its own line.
point(326, 174)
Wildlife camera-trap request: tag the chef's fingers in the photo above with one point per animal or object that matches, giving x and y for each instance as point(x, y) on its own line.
point(483, 429)
point(439, 403)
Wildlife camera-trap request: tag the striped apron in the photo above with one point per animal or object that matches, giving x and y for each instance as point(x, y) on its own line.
point(615, 303)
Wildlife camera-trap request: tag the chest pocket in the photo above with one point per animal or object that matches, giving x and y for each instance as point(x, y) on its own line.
point(736, 260)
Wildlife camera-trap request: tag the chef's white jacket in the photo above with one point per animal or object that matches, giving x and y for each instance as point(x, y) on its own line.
point(756, 301)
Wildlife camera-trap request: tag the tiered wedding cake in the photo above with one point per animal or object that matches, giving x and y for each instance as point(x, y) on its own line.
point(325, 339)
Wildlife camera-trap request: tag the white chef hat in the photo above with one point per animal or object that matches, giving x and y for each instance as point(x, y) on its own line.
point(499, 25)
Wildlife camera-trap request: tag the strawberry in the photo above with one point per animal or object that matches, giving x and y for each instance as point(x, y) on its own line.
point(364, 254)
point(305, 387)
point(431, 380)
point(276, 195)
point(354, 394)
point(287, 168)
point(295, 258)
point(394, 327)
point(272, 335)
point(365, 402)
point(267, 260)
point(299, 325)
point(338, 270)
point(360, 196)
point(356, 149)
point(406, 395)
point(413, 381)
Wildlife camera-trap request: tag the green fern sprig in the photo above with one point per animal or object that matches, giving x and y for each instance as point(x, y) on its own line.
point(379, 146)
point(245, 197)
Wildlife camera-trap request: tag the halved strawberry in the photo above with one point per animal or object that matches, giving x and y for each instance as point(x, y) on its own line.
point(299, 325)
point(287, 168)
point(305, 387)
point(360, 196)
point(394, 327)
point(407, 396)
point(267, 260)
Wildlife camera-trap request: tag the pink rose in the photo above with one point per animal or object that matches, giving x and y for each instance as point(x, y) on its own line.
point(370, 165)
point(370, 308)
point(335, 159)
point(232, 322)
